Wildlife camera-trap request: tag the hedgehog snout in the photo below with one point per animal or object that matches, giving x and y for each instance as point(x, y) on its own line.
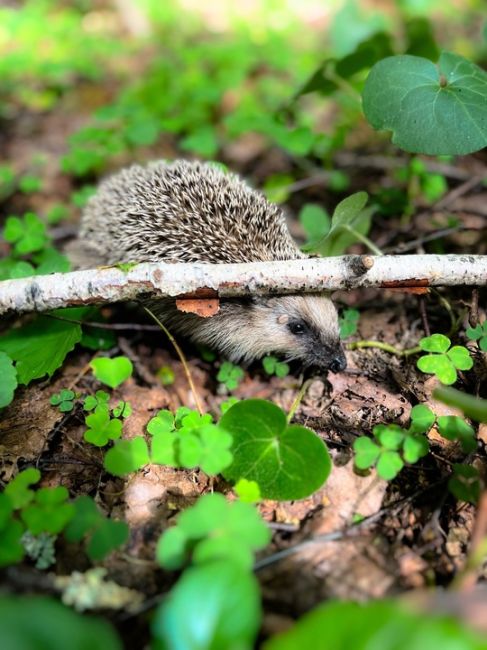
point(329, 356)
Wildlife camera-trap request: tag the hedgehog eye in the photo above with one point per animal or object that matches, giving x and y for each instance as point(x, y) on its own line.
point(297, 327)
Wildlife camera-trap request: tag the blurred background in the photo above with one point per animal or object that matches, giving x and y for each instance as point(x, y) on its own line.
point(269, 88)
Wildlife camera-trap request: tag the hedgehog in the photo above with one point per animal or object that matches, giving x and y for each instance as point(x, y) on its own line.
point(195, 212)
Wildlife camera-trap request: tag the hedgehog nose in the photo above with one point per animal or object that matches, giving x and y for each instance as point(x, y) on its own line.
point(339, 362)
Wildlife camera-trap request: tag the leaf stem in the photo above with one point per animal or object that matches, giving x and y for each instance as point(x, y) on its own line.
point(298, 400)
point(181, 357)
point(356, 345)
point(365, 240)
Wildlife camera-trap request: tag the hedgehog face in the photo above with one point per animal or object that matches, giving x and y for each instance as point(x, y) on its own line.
point(304, 328)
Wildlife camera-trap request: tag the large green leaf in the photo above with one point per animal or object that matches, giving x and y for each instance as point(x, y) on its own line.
point(34, 623)
point(378, 625)
point(40, 347)
point(212, 607)
point(8, 384)
point(430, 109)
point(287, 462)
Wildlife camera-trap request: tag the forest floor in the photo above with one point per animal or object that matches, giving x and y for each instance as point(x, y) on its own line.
point(412, 532)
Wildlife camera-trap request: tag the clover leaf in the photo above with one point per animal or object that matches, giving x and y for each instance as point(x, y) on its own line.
point(126, 456)
point(422, 419)
point(230, 375)
point(18, 489)
point(27, 234)
point(479, 333)
point(213, 529)
point(464, 483)
point(102, 428)
point(273, 366)
point(454, 427)
point(112, 372)
point(49, 511)
point(92, 401)
point(64, 400)
point(287, 461)
point(443, 360)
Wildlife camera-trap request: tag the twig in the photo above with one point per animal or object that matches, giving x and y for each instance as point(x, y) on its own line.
point(181, 357)
point(298, 400)
point(357, 345)
point(312, 275)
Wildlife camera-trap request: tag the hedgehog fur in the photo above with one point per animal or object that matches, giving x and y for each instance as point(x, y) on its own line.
point(195, 212)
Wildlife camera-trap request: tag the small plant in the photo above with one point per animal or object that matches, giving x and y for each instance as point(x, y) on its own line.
point(101, 427)
point(443, 360)
point(315, 222)
point(465, 483)
point(64, 400)
point(166, 375)
point(348, 323)
point(98, 399)
point(27, 234)
point(112, 372)
point(273, 366)
point(230, 375)
point(479, 333)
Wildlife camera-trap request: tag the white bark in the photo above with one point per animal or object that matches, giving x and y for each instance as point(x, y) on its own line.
point(41, 293)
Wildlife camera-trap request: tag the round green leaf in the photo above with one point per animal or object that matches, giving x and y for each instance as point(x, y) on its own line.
point(37, 623)
point(366, 452)
point(126, 456)
point(8, 384)
point(287, 462)
point(212, 606)
point(389, 465)
point(460, 357)
point(414, 448)
point(377, 625)
point(435, 343)
point(453, 427)
point(422, 418)
point(390, 436)
point(112, 372)
point(430, 109)
point(439, 365)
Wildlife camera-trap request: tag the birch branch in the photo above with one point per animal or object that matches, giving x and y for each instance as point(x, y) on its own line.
point(105, 285)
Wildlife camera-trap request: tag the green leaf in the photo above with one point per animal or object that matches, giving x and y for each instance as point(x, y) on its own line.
point(435, 343)
point(48, 512)
point(26, 622)
point(460, 357)
point(214, 529)
point(414, 448)
point(390, 436)
point(439, 365)
point(202, 141)
point(97, 338)
point(228, 616)
point(112, 372)
point(86, 517)
point(123, 409)
point(378, 625)
point(389, 465)
point(430, 109)
point(166, 375)
point(215, 453)
point(49, 260)
point(102, 428)
point(247, 491)
point(163, 422)
point(126, 456)
point(348, 322)
point(453, 427)
point(29, 183)
point(40, 347)
point(474, 333)
point(464, 483)
point(18, 489)
point(315, 221)
point(366, 452)
point(28, 234)
point(92, 401)
point(11, 547)
point(422, 419)
point(108, 536)
point(287, 462)
point(8, 384)
point(473, 407)
point(230, 375)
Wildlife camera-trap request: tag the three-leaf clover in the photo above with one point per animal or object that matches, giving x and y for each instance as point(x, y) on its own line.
point(230, 375)
point(443, 360)
point(464, 483)
point(384, 454)
point(273, 366)
point(479, 334)
point(49, 511)
point(64, 400)
point(92, 401)
point(102, 428)
point(27, 234)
